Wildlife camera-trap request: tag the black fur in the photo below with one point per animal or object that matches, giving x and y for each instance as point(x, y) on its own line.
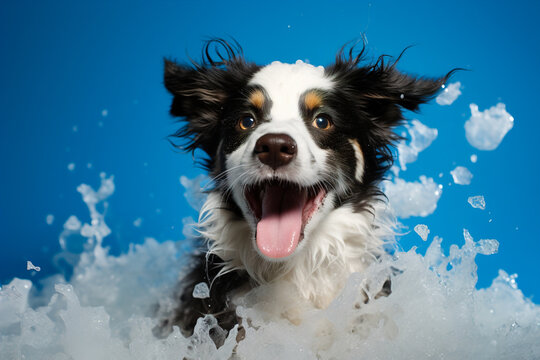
point(189, 309)
point(204, 93)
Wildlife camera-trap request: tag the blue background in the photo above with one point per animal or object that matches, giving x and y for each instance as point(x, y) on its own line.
point(62, 63)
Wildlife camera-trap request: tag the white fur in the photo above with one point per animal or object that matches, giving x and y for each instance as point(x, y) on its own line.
point(359, 173)
point(284, 84)
point(340, 243)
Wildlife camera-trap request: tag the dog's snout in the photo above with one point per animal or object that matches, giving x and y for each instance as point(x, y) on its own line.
point(275, 150)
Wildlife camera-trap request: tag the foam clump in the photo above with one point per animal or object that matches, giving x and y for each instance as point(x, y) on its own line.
point(422, 231)
point(72, 223)
point(461, 175)
point(484, 247)
point(30, 266)
point(201, 291)
point(49, 219)
point(486, 129)
point(450, 93)
point(413, 198)
point(194, 193)
point(421, 138)
point(477, 202)
point(137, 222)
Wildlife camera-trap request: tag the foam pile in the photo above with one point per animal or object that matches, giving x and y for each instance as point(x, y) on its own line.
point(106, 309)
point(434, 311)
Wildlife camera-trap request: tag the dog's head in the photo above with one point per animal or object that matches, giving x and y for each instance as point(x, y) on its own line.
point(288, 144)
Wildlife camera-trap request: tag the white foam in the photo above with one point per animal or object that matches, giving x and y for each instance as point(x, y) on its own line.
point(461, 175)
point(486, 129)
point(474, 158)
point(422, 231)
point(477, 202)
point(49, 219)
point(105, 310)
point(72, 223)
point(450, 93)
point(201, 291)
point(194, 193)
point(434, 311)
point(71, 166)
point(421, 138)
point(413, 198)
point(137, 222)
point(30, 266)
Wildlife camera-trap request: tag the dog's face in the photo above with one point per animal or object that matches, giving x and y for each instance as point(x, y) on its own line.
point(290, 143)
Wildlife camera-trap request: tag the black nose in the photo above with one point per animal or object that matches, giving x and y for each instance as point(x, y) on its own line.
point(275, 150)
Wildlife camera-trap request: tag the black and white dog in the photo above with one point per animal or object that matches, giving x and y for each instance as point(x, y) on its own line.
point(296, 153)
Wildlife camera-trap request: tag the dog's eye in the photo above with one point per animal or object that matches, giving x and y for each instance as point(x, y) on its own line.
point(322, 122)
point(246, 122)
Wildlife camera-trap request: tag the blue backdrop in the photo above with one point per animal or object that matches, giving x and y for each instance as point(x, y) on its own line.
point(81, 84)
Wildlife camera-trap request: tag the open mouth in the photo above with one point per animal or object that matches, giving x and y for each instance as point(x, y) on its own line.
point(282, 211)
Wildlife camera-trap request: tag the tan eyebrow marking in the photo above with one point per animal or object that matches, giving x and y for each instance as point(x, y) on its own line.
point(257, 99)
point(312, 100)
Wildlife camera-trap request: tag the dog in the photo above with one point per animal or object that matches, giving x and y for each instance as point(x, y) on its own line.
point(296, 154)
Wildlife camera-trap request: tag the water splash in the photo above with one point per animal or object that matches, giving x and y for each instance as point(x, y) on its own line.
point(106, 310)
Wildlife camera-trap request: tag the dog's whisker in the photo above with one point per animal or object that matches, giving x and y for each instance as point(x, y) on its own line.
point(226, 172)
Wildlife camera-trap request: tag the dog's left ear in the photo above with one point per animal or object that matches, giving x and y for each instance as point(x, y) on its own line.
point(404, 90)
point(380, 91)
point(385, 91)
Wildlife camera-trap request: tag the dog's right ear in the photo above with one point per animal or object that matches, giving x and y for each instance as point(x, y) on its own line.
point(198, 92)
point(201, 91)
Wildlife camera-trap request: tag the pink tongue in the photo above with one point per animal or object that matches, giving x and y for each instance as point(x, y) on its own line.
point(279, 229)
